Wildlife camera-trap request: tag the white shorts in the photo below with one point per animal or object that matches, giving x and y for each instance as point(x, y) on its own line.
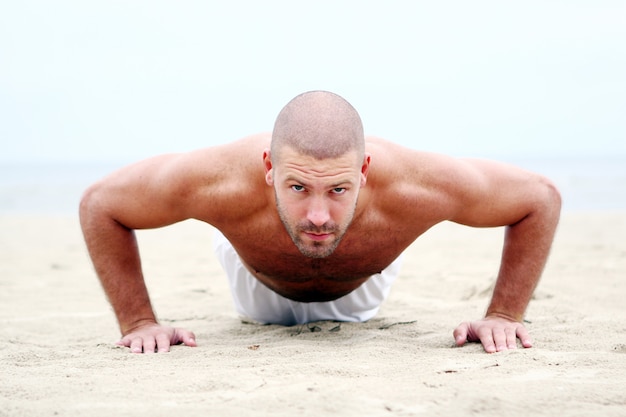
point(256, 301)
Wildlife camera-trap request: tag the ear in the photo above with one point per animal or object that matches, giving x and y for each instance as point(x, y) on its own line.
point(269, 171)
point(365, 168)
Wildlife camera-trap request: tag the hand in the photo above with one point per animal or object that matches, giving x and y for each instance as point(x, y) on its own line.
point(495, 333)
point(155, 337)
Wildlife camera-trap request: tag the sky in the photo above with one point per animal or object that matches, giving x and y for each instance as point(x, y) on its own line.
point(122, 80)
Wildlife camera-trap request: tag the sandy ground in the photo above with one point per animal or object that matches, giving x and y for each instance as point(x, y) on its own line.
point(57, 355)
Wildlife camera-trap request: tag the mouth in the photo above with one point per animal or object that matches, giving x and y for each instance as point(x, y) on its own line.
point(317, 237)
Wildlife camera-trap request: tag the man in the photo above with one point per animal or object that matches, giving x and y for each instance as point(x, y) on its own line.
point(313, 220)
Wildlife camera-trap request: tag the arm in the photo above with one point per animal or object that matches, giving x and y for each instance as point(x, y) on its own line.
point(154, 193)
point(529, 206)
point(433, 188)
point(109, 211)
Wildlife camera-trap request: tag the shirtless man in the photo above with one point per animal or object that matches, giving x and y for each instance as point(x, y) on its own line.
point(313, 219)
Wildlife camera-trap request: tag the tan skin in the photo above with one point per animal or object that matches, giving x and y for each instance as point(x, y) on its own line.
point(383, 202)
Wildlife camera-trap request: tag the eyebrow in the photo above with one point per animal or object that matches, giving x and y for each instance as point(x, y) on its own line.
point(304, 183)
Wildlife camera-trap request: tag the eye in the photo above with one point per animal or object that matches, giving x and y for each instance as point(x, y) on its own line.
point(297, 188)
point(339, 190)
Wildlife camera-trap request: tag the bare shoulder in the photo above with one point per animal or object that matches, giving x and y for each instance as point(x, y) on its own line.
point(213, 184)
point(223, 182)
point(412, 184)
point(231, 161)
point(402, 161)
point(427, 187)
point(406, 162)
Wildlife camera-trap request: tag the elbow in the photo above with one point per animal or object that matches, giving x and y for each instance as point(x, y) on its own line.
point(554, 195)
point(94, 210)
point(89, 204)
point(551, 200)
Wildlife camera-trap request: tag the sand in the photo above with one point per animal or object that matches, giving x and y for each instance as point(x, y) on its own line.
point(57, 352)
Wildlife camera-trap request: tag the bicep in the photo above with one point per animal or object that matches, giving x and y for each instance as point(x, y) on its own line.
point(137, 196)
point(427, 188)
point(487, 193)
point(156, 192)
point(211, 184)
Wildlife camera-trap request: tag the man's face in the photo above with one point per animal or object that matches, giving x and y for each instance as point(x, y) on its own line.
point(316, 199)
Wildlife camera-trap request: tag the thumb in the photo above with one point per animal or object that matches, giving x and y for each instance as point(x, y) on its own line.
point(186, 337)
point(460, 334)
point(124, 342)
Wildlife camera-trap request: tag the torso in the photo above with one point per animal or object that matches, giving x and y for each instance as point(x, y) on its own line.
point(379, 233)
point(276, 262)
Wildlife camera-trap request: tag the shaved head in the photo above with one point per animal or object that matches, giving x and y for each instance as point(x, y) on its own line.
point(318, 124)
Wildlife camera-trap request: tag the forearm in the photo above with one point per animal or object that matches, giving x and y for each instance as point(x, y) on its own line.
point(115, 256)
point(526, 248)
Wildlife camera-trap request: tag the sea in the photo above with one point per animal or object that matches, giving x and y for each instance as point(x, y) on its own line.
point(586, 183)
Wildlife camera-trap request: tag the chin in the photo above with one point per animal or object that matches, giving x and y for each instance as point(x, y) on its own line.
point(317, 251)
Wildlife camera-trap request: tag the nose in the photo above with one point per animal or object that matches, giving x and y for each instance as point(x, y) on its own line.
point(318, 212)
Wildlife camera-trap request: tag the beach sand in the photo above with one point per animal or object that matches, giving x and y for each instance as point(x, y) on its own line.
point(57, 352)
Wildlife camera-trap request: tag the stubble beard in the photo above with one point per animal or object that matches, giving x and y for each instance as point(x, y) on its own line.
point(315, 249)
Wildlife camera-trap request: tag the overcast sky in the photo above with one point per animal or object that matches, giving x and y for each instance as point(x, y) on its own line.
point(106, 80)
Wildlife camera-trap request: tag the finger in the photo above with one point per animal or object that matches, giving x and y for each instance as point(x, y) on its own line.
point(488, 345)
point(511, 338)
point(488, 340)
point(190, 339)
point(184, 336)
point(136, 345)
point(460, 334)
point(499, 338)
point(124, 342)
point(524, 337)
point(149, 344)
point(162, 343)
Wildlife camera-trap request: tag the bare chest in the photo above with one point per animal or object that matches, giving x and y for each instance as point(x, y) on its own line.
point(277, 263)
